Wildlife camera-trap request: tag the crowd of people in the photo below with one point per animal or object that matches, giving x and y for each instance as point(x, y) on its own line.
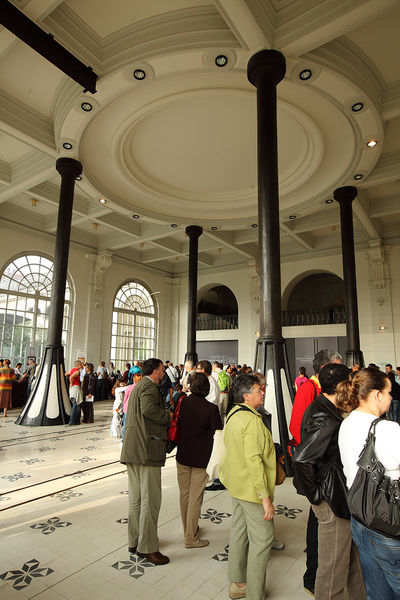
point(331, 415)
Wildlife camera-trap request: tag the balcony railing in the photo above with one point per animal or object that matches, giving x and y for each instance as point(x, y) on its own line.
point(217, 322)
point(313, 316)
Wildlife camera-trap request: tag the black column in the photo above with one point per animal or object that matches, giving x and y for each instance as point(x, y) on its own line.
point(265, 70)
point(345, 196)
point(48, 403)
point(193, 232)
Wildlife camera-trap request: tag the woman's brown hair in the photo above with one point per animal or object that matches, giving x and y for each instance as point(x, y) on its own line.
point(349, 393)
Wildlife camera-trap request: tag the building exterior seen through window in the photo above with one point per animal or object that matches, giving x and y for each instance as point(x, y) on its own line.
point(25, 290)
point(134, 325)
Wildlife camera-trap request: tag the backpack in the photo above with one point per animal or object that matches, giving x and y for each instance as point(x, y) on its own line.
point(223, 381)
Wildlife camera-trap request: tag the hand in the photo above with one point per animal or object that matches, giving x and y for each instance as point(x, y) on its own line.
point(268, 509)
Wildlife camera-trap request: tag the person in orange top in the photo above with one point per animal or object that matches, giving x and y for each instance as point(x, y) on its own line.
point(7, 377)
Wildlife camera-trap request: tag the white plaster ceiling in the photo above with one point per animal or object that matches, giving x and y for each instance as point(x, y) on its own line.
point(179, 147)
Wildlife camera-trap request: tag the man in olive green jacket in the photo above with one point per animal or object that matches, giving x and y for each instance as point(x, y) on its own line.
point(144, 452)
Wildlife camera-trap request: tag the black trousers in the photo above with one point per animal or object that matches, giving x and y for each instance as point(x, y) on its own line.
point(312, 551)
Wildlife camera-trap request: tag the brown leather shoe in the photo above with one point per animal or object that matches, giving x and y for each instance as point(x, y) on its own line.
point(155, 557)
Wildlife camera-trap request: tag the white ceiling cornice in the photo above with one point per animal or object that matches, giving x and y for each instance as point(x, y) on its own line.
point(26, 124)
point(391, 101)
point(387, 169)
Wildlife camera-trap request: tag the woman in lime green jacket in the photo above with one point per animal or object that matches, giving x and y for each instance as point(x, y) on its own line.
point(248, 471)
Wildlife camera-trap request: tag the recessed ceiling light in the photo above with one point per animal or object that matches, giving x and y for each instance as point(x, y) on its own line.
point(86, 106)
point(139, 74)
point(292, 217)
point(254, 225)
point(135, 217)
point(214, 228)
point(102, 200)
point(357, 106)
point(305, 74)
point(174, 225)
point(371, 143)
point(358, 176)
point(221, 60)
point(328, 201)
point(78, 178)
point(67, 146)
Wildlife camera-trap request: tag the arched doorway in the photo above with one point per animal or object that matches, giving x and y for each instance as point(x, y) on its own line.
point(217, 308)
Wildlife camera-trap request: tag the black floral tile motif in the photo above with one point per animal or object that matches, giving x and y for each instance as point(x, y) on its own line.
point(94, 439)
point(99, 430)
point(16, 476)
point(90, 448)
point(222, 556)
point(215, 516)
point(23, 577)
point(79, 474)
point(45, 449)
point(50, 525)
point(135, 566)
point(290, 513)
point(66, 495)
point(57, 439)
point(122, 520)
point(32, 461)
point(125, 493)
point(3, 498)
point(84, 459)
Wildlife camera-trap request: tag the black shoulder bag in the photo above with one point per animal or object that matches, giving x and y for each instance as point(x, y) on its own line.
point(374, 499)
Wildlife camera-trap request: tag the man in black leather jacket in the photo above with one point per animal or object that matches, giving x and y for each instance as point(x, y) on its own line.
point(319, 476)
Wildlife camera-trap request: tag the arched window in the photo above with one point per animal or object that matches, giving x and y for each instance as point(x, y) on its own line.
point(25, 289)
point(134, 322)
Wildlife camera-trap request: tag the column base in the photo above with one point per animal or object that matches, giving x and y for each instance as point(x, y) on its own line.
point(272, 360)
point(353, 357)
point(48, 402)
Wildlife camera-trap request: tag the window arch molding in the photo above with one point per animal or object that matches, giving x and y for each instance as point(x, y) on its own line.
point(134, 325)
point(25, 291)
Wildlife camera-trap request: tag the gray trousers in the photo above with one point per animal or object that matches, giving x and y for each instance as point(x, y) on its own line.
point(144, 486)
point(249, 547)
point(339, 563)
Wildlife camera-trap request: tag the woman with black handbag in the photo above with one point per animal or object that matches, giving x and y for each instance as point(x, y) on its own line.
point(370, 453)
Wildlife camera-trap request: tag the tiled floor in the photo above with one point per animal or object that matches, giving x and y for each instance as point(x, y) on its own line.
point(63, 511)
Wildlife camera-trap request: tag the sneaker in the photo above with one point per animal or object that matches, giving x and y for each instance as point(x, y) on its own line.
point(198, 544)
point(236, 592)
point(277, 545)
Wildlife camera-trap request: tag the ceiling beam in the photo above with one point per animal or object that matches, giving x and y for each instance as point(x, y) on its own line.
point(243, 24)
point(31, 170)
point(362, 215)
point(222, 241)
point(305, 240)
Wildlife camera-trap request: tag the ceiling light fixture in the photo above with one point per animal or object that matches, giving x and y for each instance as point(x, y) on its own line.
point(305, 74)
point(139, 74)
point(34, 202)
point(292, 217)
point(135, 217)
point(78, 178)
point(372, 143)
point(67, 146)
point(221, 60)
point(357, 106)
point(254, 225)
point(95, 226)
point(328, 201)
point(382, 327)
point(102, 200)
point(174, 225)
point(86, 106)
point(358, 176)
point(214, 228)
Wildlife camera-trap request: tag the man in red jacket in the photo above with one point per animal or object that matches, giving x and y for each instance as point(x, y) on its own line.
point(306, 394)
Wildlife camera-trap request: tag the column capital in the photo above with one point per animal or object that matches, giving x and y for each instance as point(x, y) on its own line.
point(68, 166)
point(267, 65)
point(193, 231)
point(345, 194)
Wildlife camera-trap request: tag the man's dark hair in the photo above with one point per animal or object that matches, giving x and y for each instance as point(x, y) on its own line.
point(243, 384)
point(321, 359)
point(199, 384)
point(331, 375)
point(150, 365)
point(206, 366)
point(389, 365)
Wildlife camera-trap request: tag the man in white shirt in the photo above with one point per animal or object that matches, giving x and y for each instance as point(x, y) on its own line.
point(204, 366)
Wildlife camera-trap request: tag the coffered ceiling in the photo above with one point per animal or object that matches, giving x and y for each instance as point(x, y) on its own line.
point(178, 147)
